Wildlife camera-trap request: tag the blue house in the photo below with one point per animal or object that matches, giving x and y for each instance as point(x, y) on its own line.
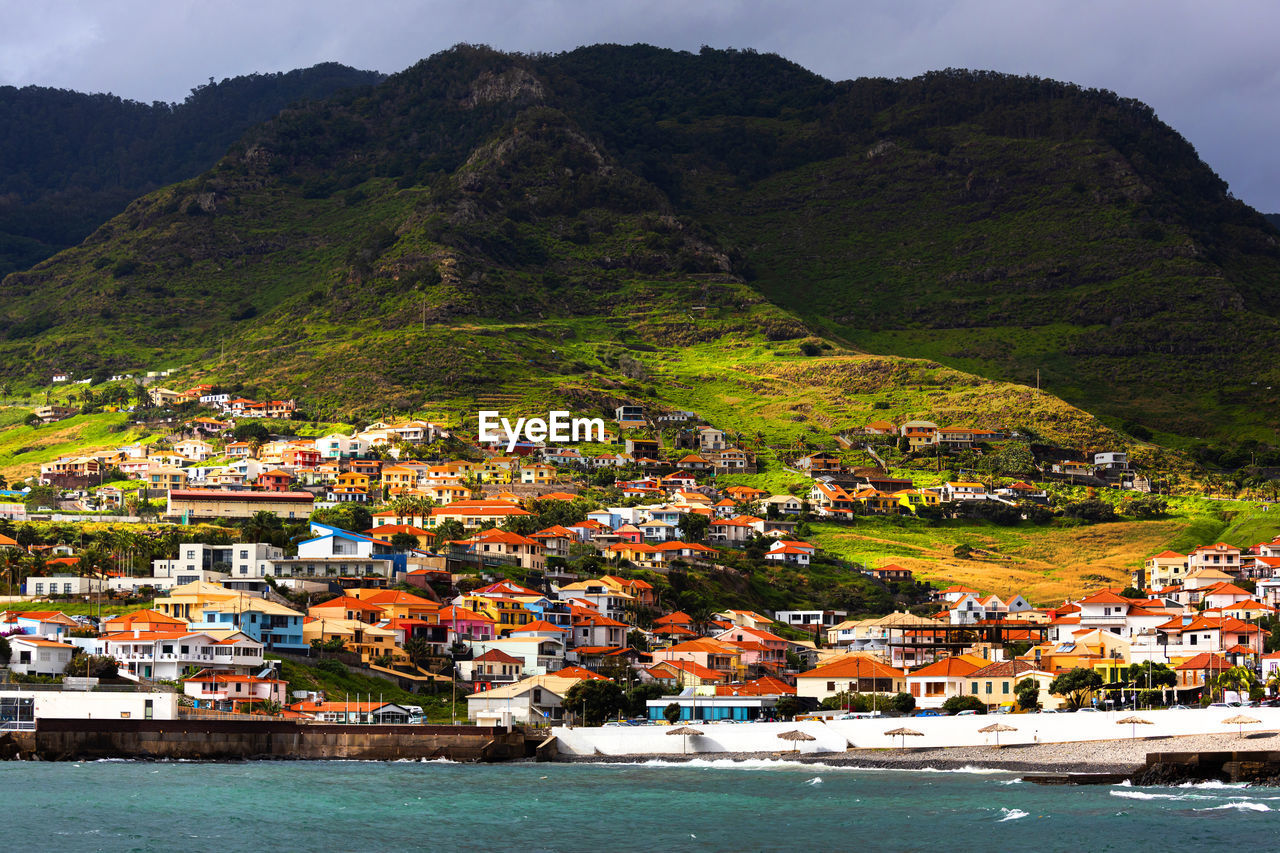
point(272, 624)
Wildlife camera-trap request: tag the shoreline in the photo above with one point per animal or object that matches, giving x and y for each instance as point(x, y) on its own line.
point(1122, 755)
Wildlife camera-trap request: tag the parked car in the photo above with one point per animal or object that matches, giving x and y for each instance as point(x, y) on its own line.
point(1086, 710)
point(931, 712)
point(1178, 708)
point(1047, 711)
point(969, 713)
point(1220, 705)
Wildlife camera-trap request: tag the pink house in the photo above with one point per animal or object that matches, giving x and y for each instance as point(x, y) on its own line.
point(630, 533)
point(466, 624)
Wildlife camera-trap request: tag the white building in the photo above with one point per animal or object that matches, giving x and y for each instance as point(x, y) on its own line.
point(38, 656)
point(159, 655)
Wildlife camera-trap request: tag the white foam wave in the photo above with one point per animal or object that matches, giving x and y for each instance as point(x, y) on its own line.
point(1145, 795)
point(1243, 805)
point(816, 780)
point(1012, 814)
point(1212, 783)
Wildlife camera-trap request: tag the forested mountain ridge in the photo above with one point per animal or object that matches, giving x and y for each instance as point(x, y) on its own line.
point(69, 161)
point(649, 198)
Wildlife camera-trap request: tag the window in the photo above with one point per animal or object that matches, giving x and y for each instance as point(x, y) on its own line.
point(975, 688)
point(989, 688)
point(1005, 688)
point(831, 686)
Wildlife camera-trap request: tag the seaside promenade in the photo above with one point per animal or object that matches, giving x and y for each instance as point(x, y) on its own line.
point(841, 736)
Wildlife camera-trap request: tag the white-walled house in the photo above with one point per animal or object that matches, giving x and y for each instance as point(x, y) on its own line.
point(38, 656)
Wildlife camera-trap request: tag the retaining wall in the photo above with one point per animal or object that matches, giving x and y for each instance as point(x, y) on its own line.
point(218, 740)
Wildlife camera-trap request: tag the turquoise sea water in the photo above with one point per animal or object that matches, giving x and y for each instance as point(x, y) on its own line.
point(323, 806)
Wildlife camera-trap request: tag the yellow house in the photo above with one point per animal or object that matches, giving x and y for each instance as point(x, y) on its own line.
point(399, 478)
point(506, 613)
point(167, 479)
point(369, 641)
point(537, 475)
point(188, 601)
point(352, 480)
point(913, 499)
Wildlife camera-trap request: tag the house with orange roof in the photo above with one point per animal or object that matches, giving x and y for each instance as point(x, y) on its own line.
point(640, 590)
point(1223, 595)
point(386, 531)
point(934, 684)
point(168, 655)
point(712, 654)
point(465, 624)
point(346, 607)
point(474, 513)
point(222, 690)
point(1220, 556)
point(679, 674)
point(1195, 672)
point(852, 673)
point(143, 620)
point(829, 500)
point(791, 551)
point(35, 655)
point(491, 669)
point(759, 647)
point(1168, 568)
point(746, 619)
point(510, 547)
point(49, 624)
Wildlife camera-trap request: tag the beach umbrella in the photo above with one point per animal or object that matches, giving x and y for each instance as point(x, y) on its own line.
point(685, 731)
point(903, 732)
point(795, 736)
point(997, 728)
point(1134, 722)
point(1240, 720)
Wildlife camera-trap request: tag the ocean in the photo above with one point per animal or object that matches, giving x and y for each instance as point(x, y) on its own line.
point(703, 805)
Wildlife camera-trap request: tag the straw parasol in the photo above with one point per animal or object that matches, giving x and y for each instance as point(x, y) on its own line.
point(1240, 720)
point(1134, 722)
point(796, 736)
point(997, 728)
point(685, 731)
point(903, 732)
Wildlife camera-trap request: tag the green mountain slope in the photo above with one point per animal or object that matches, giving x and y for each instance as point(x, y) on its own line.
point(488, 224)
point(69, 161)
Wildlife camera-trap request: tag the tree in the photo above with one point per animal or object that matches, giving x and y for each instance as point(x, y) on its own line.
point(595, 699)
point(404, 541)
point(956, 704)
point(903, 703)
point(5, 651)
point(92, 666)
point(1028, 692)
point(787, 707)
point(418, 649)
point(672, 713)
point(450, 530)
point(693, 526)
point(637, 702)
point(1076, 686)
point(1238, 679)
point(264, 526)
point(346, 516)
point(1131, 592)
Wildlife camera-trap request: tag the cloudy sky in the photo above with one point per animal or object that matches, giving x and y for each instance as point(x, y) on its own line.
point(1211, 70)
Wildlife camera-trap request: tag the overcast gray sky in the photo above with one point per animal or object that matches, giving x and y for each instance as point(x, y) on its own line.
point(1210, 69)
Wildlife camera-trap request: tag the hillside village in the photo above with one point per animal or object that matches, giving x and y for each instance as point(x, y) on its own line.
point(407, 551)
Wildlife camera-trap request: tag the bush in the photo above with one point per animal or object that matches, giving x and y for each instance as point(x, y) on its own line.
point(1092, 511)
point(962, 551)
point(672, 712)
point(956, 704)
point(903, 703)
point(331, 666)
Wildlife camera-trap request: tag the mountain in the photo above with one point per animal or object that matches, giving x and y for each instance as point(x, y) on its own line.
point(69, 161)
point(492, 224)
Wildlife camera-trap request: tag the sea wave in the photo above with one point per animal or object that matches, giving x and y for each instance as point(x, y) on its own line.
point(1242, 805)
point(1012, 814)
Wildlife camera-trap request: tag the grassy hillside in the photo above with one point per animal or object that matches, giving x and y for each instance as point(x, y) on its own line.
point(494, 227)
point(1046, 564)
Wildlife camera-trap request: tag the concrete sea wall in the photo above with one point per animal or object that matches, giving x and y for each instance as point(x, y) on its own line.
point(839, 735)
point(223, 740)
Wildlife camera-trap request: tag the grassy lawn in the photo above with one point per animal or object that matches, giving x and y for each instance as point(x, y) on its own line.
point(338, 686)
point(78, 607)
